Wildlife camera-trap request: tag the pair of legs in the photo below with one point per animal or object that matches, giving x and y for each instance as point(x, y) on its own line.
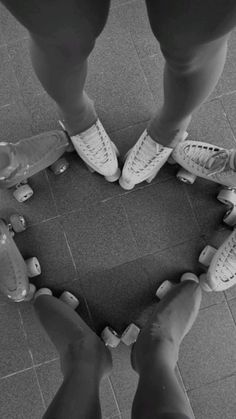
point(193, 39)
point(85, 360)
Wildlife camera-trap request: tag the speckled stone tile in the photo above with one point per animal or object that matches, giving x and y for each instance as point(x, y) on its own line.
point(9, 88)
point(11, 28)
point(153, 213)
point(116, 80)
point(20, 397)
point(153, 68)
point(133, 17)
point(20, 58)
point(227, 80)
point(204, 356)
point(46, 241)
point(216, 400)
point(229, 104)
point(232, 306)
point(116, 297)
point(99, 237)
point(15, 122)
point(14, 350)
point(125, 384)
point(50, 379)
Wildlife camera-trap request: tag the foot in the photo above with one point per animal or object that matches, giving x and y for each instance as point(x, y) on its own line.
point(143, 161)
point(169, 323)
point(76, 343)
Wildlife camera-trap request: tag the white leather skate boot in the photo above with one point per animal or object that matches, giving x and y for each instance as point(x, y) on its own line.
point(144, 160)
point(206, 161)
point(221, 273)
point(97, 150)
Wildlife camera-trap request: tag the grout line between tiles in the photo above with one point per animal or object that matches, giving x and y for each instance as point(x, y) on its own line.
point(228, 120)
point(202, 385)
point(114, 395)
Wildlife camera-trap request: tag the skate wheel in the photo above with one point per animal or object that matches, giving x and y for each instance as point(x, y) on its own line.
point(31, 293)
point(42, 291)
point(60, 166)
point(188, 276)
point(18, 223)
point(130, 334)
point(115, 177)
point(33, 267)
point(69, 299)
point(206, 255)
point(110, 337)
point(186, 177)
point(164, 288)
point(230, 217)
point(23, 192)
point(227, 196)
point(126, 185)
point(203, 283)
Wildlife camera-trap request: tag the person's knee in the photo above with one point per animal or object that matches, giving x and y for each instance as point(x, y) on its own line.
point(190, 59)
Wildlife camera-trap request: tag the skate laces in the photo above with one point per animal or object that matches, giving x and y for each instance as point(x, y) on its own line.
point(215, 163)
point(95, 143)
point(146, 155)
point(229, 263)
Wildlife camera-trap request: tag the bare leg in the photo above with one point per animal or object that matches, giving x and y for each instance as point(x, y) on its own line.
point(83, 356)
point(155, 355)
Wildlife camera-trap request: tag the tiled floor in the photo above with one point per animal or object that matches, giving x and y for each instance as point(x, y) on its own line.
point(109, 247)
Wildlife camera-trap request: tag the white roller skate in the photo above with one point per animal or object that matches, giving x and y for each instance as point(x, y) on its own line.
point(209, 162)
point(97, 150)
point(144, 160)
point(221, 264)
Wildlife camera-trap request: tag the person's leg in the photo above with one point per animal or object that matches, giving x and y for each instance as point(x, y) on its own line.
point(155, 354)
point(193, 38)
point(83, 356)
point(62, 35)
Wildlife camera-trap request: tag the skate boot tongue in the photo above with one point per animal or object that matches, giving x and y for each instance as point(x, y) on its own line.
point(220, 161)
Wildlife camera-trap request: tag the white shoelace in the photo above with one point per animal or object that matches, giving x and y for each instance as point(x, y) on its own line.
point(214, 164)
point(229, 263)
point(146, 155)
point(95, 147)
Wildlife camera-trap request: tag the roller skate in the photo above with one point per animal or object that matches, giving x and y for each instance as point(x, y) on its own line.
point(108, 335)
point(144, 160)
point(14, 271)
point(221, 263)
point(97, 151)
point(27, 157)
point(212, 163)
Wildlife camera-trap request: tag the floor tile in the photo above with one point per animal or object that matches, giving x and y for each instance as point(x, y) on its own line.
point(229, 104)
point(15, 122)
point(152, 212)
point(20, 397)
point(116, 77)
point(117, 296)
point(99, 237)
point(14, 350)
point(232, 306)
point(153, 67)
point(125, 385)
point(20, 58)
point(133, 16)
point(204, 357)
point(8, 82)
point(10, 27)
point(46, 241)
point(216, 400)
